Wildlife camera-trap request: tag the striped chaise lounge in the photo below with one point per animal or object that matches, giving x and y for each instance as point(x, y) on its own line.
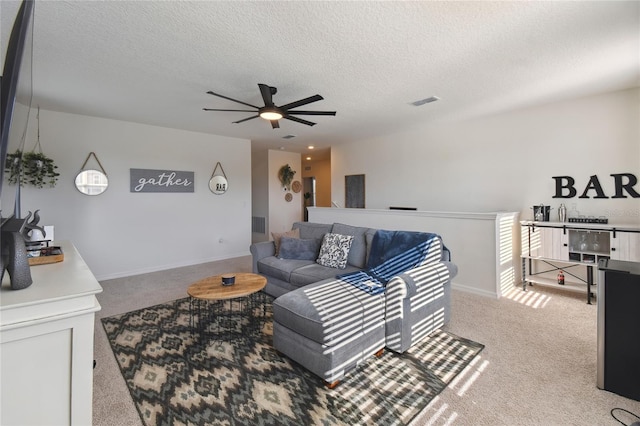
point(329, 327)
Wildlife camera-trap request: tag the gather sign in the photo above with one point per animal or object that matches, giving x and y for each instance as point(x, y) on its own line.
point(150, 180)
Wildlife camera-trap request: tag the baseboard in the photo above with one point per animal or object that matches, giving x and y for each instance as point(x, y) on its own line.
point(164, 267)
point(474, 290)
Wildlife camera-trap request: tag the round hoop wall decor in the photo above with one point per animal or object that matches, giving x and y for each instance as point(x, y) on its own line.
point(288, 197)
point(90, 181)
point(218, 184)
point(296, 186)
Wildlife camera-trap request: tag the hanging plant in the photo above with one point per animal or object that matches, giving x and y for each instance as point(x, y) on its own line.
point(33, 168)
point(285, 175)
point(13, 166)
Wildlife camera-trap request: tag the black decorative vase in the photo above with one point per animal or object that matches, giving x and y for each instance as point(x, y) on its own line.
point(14, 255)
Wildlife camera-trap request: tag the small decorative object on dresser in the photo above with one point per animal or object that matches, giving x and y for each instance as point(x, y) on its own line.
point(14, 253)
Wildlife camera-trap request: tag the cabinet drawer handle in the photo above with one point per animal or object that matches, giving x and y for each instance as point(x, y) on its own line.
point(613, 249)
point(565, 244)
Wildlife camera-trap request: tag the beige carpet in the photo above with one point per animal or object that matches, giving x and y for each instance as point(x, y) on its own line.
point(538, 366)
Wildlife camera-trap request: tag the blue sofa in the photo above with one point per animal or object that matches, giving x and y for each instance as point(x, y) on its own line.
point(327, 323)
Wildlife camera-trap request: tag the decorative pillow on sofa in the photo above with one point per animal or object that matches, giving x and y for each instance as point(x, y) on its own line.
point(294, 233)
point(301, 249)
point(335, 250)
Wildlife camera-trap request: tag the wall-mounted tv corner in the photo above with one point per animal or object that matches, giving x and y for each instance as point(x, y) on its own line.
point(16, 83)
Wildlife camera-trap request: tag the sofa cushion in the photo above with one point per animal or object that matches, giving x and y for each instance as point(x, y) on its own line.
point(298, 248)
point(280, 268)
point(368, 236)
point(329, 312)
point(310, 274)
point(294, 233)
point(312, 230)
point(358, 252)
point(335, 250)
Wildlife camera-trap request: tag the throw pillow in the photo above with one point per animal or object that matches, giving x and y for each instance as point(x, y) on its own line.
point(294, 233)
point(300, 249)
point(335, 250)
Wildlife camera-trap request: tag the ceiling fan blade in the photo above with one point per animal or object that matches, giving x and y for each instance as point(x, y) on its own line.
point(301, 102)
point(229, 110)
point(245, 119)
point(275, 124)
point(267, 92)
point(231, 99)
point(312, 112)
point(299, 120)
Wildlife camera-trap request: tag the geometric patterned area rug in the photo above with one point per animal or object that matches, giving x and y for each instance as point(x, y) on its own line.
point(175, 378)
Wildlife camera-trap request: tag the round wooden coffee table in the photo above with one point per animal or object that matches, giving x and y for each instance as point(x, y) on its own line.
point(224, 312)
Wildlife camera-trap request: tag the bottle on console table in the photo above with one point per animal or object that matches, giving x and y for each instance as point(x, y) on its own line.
point(573, 213)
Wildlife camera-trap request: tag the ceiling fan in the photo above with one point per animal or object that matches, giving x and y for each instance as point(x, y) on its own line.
point(272, 112)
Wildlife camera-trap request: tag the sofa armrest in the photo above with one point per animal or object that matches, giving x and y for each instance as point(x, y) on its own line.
point(260, 251)
point(417, 303)
point(416, 280)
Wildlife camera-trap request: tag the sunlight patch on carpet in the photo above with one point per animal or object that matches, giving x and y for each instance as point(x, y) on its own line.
point(530, 298)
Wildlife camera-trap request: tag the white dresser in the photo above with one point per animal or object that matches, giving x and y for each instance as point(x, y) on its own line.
point(46, 344)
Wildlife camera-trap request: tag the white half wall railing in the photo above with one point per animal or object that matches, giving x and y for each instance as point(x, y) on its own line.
point(484, 246)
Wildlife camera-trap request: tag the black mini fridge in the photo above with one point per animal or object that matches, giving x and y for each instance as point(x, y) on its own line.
point(619, 327)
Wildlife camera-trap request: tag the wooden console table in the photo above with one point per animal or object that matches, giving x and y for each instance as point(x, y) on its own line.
point(571, 245)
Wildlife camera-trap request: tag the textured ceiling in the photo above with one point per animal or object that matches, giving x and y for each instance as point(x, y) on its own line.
point(153, 61)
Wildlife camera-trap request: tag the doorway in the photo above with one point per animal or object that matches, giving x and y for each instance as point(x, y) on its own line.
point(308, 195)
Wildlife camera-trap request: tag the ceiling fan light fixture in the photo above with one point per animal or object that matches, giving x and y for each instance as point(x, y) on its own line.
point(270, 114)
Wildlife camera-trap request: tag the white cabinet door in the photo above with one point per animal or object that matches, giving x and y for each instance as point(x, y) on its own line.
point(555, 244)
point(626, 246)
point(550, 243)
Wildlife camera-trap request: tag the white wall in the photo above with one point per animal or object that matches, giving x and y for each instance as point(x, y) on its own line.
point(503, 162)
point(282, 214)
point(260, 191)
point(120, 233)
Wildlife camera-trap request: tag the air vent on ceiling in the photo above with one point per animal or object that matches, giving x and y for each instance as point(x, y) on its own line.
point(289, 137)
point(425, 101)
